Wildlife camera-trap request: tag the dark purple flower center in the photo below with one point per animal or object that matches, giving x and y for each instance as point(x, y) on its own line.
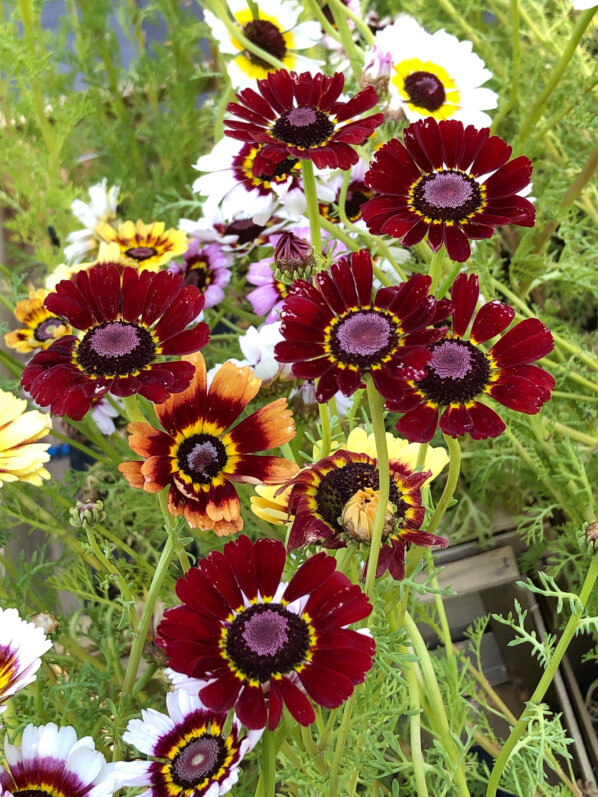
point(116, 348)
point(141, 252)
point(457, 372)
point(357, 194)
point(200, 759)
point(363, 337)
point(266, 639)
point(35, 793)
point(303, 127)
point(340, 484)
point(266, 35)
point(425, 90)
point(245, 230)
point(45, 330)
point(202, 456)
point(446, 196)
point(198, 272)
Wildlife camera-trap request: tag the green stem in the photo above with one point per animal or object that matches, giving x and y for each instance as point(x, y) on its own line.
point(417, 759)
point(112, 570)
point(546, 680)
point(267, 782)
point(326, 433)
point(336, 232)
point(340, 746)
point(338, 12)
point(142, 629)
point(133, 410)
point(537, 108)
point(80, 447)
point(313, 209)
point(314, 7)
point(12, 364)
point(515, 67)
point(376, 405)
point(171, 528)
point(435, 698)
point(421, 455)
point(586, 439)
point(451, 483)
point(436, 268)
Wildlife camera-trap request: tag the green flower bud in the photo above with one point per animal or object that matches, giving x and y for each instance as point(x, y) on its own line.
point(87, 513)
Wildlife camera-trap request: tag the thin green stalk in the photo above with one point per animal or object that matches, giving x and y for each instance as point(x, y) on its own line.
point(537, 108)
point(143, 627)
point(586, 439)
point(326, 433)
point(546, 680)
point(88, 428)
point(113, 570)
point(313, 209)
point(417, 758)
point(80, 447)
point(9, 362)
point(437, 705)
point(445, 629)
point(447, 282)
point(314, 7)
point(338, 12)
point(336, 232)
point(436, 268)
point(267, 782)
point(362, 26)
point(421, 455)
point(515, 67)
point(574, 377)
point(340, 747)
point(171, 528)
point(376, 405)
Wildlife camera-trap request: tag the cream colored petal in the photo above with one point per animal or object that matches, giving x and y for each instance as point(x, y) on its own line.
point(29, 427)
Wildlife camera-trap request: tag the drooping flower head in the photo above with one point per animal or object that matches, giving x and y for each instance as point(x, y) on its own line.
point(129, 320)
point(207, 267)
point(145, 246)
point(261, 642)
point(22, 457)
point(199, 458)
point(21, 646)
point(301, 116)
point(41, 327)
point(277, 30)
point(335, 331)
point(435, 74)
point(461, 373)
point(196, 757)
point(52, 761)
point(448, 183)
point(334, 501)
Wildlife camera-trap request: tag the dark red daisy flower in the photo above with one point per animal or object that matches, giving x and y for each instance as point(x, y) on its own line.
point(334, 330)
point(460, 372)
point(449, 182)
point(261, 642)
point(199, 459)
point(300, 116)
point(129, 319)
point(335, 500)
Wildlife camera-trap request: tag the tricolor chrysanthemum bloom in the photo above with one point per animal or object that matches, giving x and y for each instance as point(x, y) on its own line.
point(52, 762)
point(301, 116)
point(21, 648)
point(22, 457)
point(336, 332)
point(335, 500)
point(41, 327)
point(277, 30)
point(199, 458)
point(208, 268)
point(129, 320)
point(100, 209)
point(145, 246)
point(435, 74)
point(229, 181)
point(462, 373)
point(448, 183)
point(262, 643)
point(195, 756)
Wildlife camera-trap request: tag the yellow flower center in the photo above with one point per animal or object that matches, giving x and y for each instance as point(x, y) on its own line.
point(359, 514)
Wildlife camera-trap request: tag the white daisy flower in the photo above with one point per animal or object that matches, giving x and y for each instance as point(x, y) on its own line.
point(53, 762)
point(21, 645)
point(277, 31)
point(258, 347)
point(196, 757)
point(103, 414)
point(435, 74)
point(237, 234)
point(100, 208)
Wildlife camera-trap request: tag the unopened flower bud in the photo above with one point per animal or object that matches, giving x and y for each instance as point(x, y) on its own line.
point(46, 621)
point(588, 539)
point(377, 70)
point(359, 514)
point(87, 513)
point(294, 258)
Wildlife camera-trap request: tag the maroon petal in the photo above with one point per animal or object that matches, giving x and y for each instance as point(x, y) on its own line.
point(419, 425)
point(456, 242)
point(491, 320)
point(510, 178)
point(486, 423)
point(296, 702)
point(527, 341)
point(328, 688)
point(221, 694)
point(268, 563)
point(456, 420)
point(187, 342)
point(312, 573)
point(251, 707)
point(464, 293)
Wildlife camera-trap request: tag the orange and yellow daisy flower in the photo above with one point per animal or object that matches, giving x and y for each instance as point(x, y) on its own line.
point(147, 246)
point(41, 326)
